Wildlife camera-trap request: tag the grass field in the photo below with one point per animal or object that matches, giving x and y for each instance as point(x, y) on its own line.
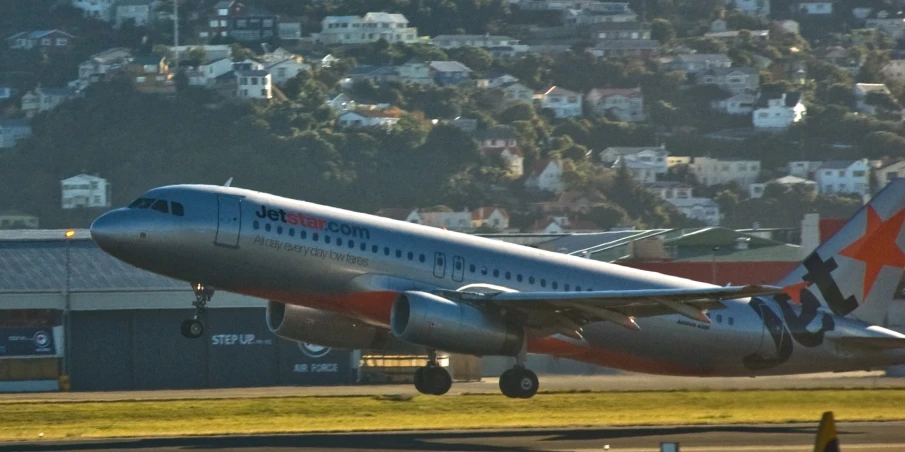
point(25, 420)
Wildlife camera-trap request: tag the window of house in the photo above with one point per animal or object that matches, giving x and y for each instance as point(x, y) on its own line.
point(62, 41)
point(140, 79)
point(267, 23)
point(213, 24)
point(45, 42)
point(223, 23)
point(264, 92)
point(858, 173)
point(241, 23)
point(842, 173)
point(254, 80)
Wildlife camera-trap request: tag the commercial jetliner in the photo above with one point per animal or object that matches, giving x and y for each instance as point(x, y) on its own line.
point(348, 280)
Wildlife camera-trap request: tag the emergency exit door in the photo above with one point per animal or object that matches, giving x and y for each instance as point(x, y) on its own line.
point(229, 221)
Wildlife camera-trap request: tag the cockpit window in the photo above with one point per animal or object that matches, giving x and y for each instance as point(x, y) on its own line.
point(177, 209)
point(161, 206)
point(141, 203)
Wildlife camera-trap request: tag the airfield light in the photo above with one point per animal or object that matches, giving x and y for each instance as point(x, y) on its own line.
point(70, 233)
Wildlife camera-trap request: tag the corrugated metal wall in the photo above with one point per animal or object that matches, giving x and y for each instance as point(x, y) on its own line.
point(143, 349)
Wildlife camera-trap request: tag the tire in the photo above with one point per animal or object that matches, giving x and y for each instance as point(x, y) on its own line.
point(419, 380)
point(507, 383)
point(438, 380)
point(526, 384)
point(192, 328)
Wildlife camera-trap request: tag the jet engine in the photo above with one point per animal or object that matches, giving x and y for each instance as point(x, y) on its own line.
point(426, 319)
point(325, 328)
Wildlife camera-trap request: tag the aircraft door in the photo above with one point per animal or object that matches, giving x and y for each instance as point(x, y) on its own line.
point(458, 272)
point(439, 265)
point(229, 221)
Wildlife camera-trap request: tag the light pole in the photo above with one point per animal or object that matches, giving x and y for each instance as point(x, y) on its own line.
point(67, 324)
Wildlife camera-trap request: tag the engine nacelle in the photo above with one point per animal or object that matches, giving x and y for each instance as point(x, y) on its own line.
point(426, 319)
point(324, 328)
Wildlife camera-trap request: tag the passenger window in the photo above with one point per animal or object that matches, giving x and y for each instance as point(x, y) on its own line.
point(411, 256)
point(731, 321)
point(422, 258)
point(302, 234)
point(160, 206)
point(364, 246)
point(518, 277)
point(483, 270)
point(326, 239)
point(719, 318)
point(399, 253)
point(351, 243)
point(314, 236)
point(578, 288)
point(267, 227)
point(555, 285)
point(256, 225)
point(177, 209)
point(508, 275)
point(530, 280)
point(291, 232)
point(339, 242)
point(565, 287)
point(543, 282)
point(496, 273)
point(386, 251)
point(279, 229)
point(374, 248)
point(471, 268)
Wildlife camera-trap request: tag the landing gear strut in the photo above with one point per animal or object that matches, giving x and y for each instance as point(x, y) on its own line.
point(193, 328)
point(519, 382)
point(432, 379)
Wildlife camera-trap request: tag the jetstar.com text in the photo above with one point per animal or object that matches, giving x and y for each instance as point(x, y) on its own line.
point(310, 222)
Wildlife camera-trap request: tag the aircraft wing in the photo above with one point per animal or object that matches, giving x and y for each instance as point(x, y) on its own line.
point(566, 312)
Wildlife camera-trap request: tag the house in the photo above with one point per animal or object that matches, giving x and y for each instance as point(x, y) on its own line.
point(43, 99)
point(735, 80)
point(561, 225)
point(372, 27)
point(284, 70)
point(624, 104)
point(368, 118)
point(675, 161)
point(670, 190)
point(85, 190)
point(787, 182)
point(886, 174)
point(493, 217)
point(96, 68)
point(788, 26)
point(243, 23)
point(446, 219)
point(711, 171)
point(778, 110)
point(6, 92)
point(415, 71)
point(151, 74)
point(15, 219)
point(737, 104)
point(289, 29)
point(210, 51)
point(753, 7)
point(894, 71)
point(495, 137)
point(501, 142)
point(845, 58)
point(802, 168)
point(449, 72)
point(13, 130)
point(46, 40)
point(693, 63)
point(871, 98)
point(812, 8)
point(620, 31)
point(516, 92)
point(597, 13)
point(254, 84)
point(703, 209)
point(485, 41)
point(140, 13)
point(844, 176)
point(642, 172)
point(562, 102)
point(496, 79)
point(341, 102)
point(891, 24)
point(547, 176)
point(656, 156)
point(104, 10)
point(638, 48)
point(732, 35)
point(206, 73)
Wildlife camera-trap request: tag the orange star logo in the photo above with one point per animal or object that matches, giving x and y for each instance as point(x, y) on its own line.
point(794, 291)
point(877, 247)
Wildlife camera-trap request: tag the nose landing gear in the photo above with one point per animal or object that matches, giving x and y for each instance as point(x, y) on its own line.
point(193, 328)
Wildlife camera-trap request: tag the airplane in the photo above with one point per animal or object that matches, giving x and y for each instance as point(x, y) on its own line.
point(349, 280)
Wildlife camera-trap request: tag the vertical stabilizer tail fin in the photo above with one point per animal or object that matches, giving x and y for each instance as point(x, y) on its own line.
point(855, 273)
point(827, 440)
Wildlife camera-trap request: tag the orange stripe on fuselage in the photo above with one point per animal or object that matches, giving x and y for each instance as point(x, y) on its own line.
point(606, 357)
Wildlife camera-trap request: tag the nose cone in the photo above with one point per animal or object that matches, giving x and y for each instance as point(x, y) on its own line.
point(110, 231)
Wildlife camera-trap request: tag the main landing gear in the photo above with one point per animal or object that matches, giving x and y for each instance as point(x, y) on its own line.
point(193, 328)
point(519, 382)
point(432, 379)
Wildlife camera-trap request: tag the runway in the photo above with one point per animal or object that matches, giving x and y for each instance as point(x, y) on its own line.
point(854, 437)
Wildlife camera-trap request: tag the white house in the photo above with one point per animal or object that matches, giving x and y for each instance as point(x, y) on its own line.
point(844, 176)
point(863, 103)
point(562, 102)
point(787, 182)
point(516, 92)
point(104, 10)
point(254, 84)
point(283, 70)
point(502, 142)
point(454, 41)
point(643, 173)
point(140, 12)
point(886, 174)
point(452, 220)
point(778, 112)
point(667, 190)
point(494, 217)
point(789, 26)
point(738, 104)
point(96, 68)
point(206, 73)
point(711, 171)
point(372, 27)
point(813, 8)
point(367, 118)
point(753, 7)
point(703, 209)
point(736, 80)
point(85, 190)
point(625, 104)
point(803, 168)
point(415, 71)
point(547, 176)
point(692, 63)
point(43, 99)
point(13, 130)
point(655, 156)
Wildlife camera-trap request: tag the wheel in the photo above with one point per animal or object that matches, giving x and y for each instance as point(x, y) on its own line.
point(526, 384)
point(437, 380)
point(419, 380)
point(507, 384)
point(192, 328)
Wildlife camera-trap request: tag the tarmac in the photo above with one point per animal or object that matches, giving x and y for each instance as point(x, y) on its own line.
point(853, 437)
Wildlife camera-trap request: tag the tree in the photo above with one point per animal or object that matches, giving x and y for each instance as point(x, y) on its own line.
point(608, 215)
point(883, 144)
point(518, 112)
point(663, 31)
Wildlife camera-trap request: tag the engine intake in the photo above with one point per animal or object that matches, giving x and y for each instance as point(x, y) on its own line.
point(323, 328)
point(426, 319)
